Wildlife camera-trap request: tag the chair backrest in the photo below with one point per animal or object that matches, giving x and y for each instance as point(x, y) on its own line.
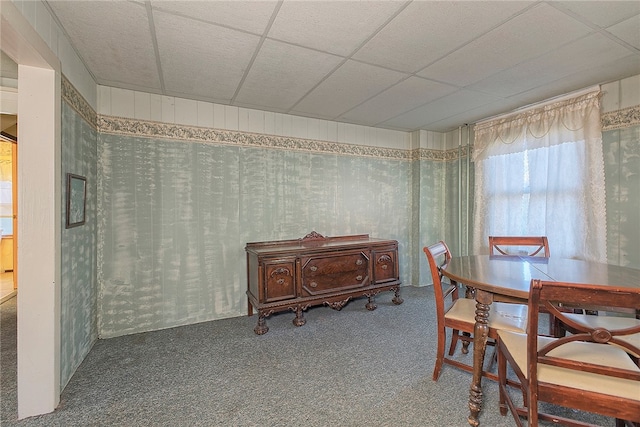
point(538, 245)
point(554, 295)
point(438, 256)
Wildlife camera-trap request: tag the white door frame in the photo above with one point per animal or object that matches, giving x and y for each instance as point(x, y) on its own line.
point(39, 204)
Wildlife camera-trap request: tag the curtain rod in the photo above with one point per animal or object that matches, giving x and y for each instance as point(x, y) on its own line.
point(541, 104)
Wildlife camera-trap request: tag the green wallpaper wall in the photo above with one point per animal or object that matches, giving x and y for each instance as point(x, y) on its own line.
point(176, 215)
point(78, 247)
point(622, 174)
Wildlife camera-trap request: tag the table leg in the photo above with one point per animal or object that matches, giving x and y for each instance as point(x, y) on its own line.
point(480, 334)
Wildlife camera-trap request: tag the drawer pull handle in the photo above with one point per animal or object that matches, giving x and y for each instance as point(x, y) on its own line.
point(384, 266)
point(313, 268)
point(313, 284)
point(358, 278)
point(359, 262)
point(280, 281)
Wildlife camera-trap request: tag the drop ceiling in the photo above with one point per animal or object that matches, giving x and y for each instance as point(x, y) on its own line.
point(403, 65)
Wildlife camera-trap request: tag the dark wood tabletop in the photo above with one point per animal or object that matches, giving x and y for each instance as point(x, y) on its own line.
point(509, 278)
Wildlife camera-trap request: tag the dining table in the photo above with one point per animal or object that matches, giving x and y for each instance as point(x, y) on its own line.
point(508, 278)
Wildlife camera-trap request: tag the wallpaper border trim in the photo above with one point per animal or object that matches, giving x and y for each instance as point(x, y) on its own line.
point(625, 117)
point(151, 129)
point(77, 102)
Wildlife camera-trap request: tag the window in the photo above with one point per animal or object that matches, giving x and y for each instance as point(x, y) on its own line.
point(547, 178)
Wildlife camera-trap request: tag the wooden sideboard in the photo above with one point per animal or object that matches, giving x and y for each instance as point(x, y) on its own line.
point(316, 270)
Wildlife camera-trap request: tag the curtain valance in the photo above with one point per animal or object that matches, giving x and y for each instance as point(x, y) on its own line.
point(563, 121)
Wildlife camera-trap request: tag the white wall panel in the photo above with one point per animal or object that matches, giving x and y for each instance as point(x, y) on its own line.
point(145, 106)
point(104, 100)
point(43, 22)
point(332, 131)
point(122, 103)
point(186, 112)
point(168, 109)
point(54, 35)
point(142, 105)
point(156, 107)
point(286, 124)
point(269, 123)
point(243, 119)
point(231, 117)
point(611, 99)
point(299, 127)
point(630, 92)
point(205, 114)
point(29, 11)
point(256, 121)
point(218, 116)
point(277, 124)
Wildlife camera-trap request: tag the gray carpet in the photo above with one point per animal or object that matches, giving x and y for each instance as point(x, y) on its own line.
point(347, 368)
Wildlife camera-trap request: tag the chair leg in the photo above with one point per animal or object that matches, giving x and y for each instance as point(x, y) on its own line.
point(494, 358)
point(455, 334)
point(502, 382)
point(440, 354)
point(465, 343)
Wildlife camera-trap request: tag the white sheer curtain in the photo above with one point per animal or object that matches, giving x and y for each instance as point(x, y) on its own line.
point(541, 172)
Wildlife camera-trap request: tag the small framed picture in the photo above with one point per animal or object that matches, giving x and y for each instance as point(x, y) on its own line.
point(76, 199)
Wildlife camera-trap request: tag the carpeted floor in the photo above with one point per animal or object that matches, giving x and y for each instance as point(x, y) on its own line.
point(347, 368)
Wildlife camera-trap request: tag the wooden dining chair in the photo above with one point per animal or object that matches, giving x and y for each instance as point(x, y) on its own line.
point(458, 314)
point(591, 370)
point(519, 246)
point(525, 246)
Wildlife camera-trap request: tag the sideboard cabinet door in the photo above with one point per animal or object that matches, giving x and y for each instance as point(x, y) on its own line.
point(279, 280)
point(385, 266)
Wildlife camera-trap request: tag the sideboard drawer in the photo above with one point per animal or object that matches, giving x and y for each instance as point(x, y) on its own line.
point(333, 272)
point(279, 280)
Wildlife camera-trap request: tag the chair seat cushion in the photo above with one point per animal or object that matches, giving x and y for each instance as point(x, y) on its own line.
point(511, 317)
point(601, 354)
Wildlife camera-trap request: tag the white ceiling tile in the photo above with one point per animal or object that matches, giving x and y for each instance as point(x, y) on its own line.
point(212, 69)
point(601, 13)
point(282, 74)
point(455, 103)
point(252, 16)
point(332, 26)
point(526, 36)
point(427, 30)
point(398, 99)
point(523, 51)
point(113, 39)
point(583, 54)
point(628, 30)
point(348, 86)
point(598, 74)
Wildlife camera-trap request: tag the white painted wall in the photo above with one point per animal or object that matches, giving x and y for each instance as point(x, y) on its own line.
point(621, 94)
point(40, 19)
point(39, 208)
point(167, 109)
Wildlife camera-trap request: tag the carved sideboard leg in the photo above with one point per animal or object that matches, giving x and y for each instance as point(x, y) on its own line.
point(371, 304)
point(396, 297)
point(261, 328)
point(299, 320)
